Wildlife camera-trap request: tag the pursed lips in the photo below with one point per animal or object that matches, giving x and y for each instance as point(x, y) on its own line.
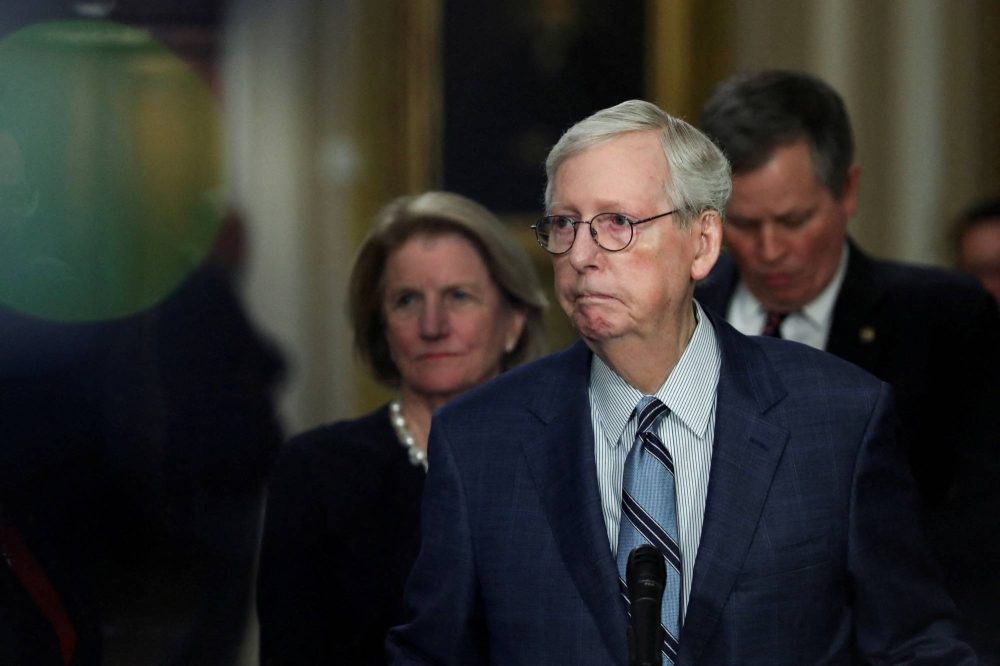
point(436, 356)
point(587, 296)
point(777, 279)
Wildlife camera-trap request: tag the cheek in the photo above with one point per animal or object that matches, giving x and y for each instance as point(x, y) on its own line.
point(742, 245)
point(399, 334)
point(816, 249)
point(485, 335)
point(484, 332)
point(563, 276)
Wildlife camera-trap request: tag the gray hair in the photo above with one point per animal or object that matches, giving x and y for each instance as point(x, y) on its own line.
point(698, 177)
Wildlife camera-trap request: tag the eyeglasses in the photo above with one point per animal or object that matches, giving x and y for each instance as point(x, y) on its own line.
point(611, 231)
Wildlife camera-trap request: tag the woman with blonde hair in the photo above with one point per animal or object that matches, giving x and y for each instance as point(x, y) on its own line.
point(442, 299)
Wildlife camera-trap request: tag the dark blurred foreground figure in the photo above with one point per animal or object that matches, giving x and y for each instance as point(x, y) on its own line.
point(769, 475)
point(793, 272)
point(442, 299)
point(132, 463)
point(977, 244)
point(50, 443)
point(193, 401)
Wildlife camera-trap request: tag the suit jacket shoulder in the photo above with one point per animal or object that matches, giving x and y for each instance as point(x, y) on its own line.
point(540, 388)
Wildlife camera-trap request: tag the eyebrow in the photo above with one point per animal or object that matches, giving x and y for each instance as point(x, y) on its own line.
point(797, 214)
point(602, 205)
point(466, 286)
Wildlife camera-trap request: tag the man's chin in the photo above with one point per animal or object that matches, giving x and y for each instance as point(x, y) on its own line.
point(595, 329)
point(778, 300)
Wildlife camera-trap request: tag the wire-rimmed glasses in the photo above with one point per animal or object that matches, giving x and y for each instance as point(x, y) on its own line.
point(611, 231)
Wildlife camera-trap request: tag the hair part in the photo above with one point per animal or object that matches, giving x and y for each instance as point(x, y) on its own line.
point(435, 214)
point(752, 115)
point(697, 178)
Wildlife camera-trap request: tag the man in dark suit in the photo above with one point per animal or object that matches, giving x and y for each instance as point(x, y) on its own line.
point(793, 272)
point(767, 474)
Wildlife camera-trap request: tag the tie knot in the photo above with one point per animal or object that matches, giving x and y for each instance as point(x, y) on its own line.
point(650, 410)
point(772, 325)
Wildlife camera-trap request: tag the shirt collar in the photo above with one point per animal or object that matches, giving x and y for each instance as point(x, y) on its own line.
point(689, 391)
point(818, 312)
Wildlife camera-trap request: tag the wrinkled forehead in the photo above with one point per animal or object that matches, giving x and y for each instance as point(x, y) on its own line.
point(628, 171)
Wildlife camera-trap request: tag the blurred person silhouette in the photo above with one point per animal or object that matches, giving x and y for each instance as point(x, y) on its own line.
point(442, 299)
point(136, 397)
point(977, 244)
point(792, 271)
point(190, 385)
point(132, 461)
point(50, 445)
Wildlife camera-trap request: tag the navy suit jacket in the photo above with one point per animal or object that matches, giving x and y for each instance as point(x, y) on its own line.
point(933, 336)
point(810, 551)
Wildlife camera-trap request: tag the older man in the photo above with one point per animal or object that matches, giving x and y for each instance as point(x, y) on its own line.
point(767, 474)
point(931, 334)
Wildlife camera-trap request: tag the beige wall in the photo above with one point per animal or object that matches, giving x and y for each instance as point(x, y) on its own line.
point(334, 108)
point(919, 79)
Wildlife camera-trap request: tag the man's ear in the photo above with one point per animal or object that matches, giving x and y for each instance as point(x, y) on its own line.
point(707, 230)
point(852, 185)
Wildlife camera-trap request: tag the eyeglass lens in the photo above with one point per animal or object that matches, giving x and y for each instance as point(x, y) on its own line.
point(556, 233)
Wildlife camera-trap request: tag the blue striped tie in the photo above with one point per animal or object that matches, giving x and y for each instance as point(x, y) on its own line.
point(649, 515)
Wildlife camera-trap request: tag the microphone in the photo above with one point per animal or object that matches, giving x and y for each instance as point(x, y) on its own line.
point(645, 576)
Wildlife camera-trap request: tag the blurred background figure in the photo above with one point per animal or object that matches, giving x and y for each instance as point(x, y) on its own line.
point(793, 272)
point(136, 396)
point(191, 386)
point(442, 299)
point(977, 244)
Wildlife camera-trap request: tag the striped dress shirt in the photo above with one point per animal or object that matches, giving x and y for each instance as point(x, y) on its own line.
point(687, 431)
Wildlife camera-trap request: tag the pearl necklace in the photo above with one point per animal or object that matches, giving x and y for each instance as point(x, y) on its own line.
point(417, 455)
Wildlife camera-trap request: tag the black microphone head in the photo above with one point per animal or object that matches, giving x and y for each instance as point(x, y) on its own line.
point(645, 577)
point(645, 573)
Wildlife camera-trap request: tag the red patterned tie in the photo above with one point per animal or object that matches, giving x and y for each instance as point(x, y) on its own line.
point(772, 327)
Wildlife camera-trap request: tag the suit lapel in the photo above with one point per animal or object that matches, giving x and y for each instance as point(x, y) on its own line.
point(859, 328)
point(565, 474)
point(745, 454)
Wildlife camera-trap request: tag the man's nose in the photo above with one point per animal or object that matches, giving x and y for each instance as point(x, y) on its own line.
point(433, 320)
point(770, 243)
point(583, 252)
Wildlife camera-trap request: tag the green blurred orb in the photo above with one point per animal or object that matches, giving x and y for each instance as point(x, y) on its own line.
point(110, 171)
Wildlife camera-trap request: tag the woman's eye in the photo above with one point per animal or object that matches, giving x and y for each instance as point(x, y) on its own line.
point(621, 221)
point(460, 295)
point(405, 300)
